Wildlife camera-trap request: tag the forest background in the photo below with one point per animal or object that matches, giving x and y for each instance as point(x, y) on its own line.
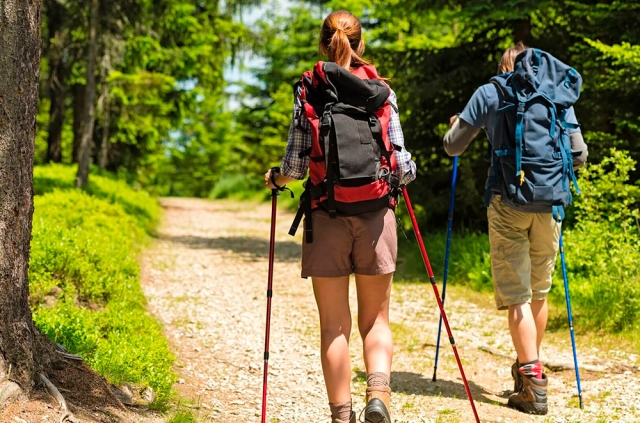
point(140, 91)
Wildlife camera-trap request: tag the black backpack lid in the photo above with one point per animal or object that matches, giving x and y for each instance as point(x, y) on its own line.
point(367, 94)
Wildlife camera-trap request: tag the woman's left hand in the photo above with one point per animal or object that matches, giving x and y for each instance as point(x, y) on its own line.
point(267, 180)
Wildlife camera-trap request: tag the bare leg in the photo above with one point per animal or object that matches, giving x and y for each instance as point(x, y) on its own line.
point(540, 312)
point(373, 321)
point(522, 326)
point(332, 297)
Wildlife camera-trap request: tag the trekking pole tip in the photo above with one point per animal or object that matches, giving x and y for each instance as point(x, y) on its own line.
point(433, 379)
point(581, 403)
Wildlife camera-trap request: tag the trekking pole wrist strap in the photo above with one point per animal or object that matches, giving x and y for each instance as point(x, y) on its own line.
point(272, 177)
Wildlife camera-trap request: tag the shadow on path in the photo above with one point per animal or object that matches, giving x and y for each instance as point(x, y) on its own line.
point(418, 384)
point(249, 248)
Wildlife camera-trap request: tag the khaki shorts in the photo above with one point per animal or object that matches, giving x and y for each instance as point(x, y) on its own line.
point(524, 247)
point(365, 244)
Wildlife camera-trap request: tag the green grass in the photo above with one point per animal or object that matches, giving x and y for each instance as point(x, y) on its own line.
point(238, 187)
point(85, 280)
point(605, 292)
point(469, 262)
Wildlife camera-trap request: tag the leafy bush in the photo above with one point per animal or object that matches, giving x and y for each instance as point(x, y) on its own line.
point(138, 204)
point(469, 262)
point(243, 187)
point(603, 249)
point(239, 187)
point(84, 281)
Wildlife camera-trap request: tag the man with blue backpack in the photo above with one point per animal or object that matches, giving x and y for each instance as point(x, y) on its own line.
point(535, 144)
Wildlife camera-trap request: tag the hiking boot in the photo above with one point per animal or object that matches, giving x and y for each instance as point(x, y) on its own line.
point(517, 377)
point(532, 398)
point(377, 410)
point(351, 420)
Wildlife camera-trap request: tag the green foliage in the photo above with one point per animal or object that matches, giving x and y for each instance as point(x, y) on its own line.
point(160, 80)
point(138, 204)
point(437, 54)
point(603, 250)
point(199, 153)
point(239, 187)
point(469, 263)
point(85, 280)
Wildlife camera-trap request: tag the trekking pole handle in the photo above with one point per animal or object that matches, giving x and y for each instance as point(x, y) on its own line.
point(272, 177)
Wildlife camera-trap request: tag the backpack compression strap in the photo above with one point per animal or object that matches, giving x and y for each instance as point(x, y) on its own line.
point(304, 210)
point(326, 132)
point(565, 150)
point(518, 140)
point(376, 131)
point(558, 213)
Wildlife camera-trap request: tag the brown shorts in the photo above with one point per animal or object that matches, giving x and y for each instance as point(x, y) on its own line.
point(365, 244)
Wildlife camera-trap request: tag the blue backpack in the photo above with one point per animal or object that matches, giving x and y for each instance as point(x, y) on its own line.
point(531, 150)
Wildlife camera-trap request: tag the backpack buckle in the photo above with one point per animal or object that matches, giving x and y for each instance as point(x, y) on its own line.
point(325, 123)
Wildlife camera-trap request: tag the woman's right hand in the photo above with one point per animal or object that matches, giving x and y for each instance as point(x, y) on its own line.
point(267, 180)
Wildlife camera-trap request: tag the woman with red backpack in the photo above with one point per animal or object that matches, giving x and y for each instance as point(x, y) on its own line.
point(346, 132)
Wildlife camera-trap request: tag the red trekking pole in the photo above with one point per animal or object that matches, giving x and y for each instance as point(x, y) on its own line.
point(432, 278)
point(274, 203)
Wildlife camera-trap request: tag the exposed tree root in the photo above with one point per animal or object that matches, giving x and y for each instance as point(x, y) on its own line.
point(68, 415)
point(8, 391)
point(60, 349)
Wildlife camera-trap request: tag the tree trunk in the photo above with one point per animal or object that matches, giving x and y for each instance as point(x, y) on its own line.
point(106, 118)
point(522, 31)
point(19, 72)
point(56, 113)
point(57, 81)
point(84, 152)
point(78, 110)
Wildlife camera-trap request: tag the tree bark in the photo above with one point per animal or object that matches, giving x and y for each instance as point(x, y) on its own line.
point(56, 112)
point(19, 72)
point(78, 110)
point(106, 118)
point(522, 31)
point(84, 152)
point(57, 82)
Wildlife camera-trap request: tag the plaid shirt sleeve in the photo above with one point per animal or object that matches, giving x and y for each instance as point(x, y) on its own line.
point(299, 140)
point(405, 167)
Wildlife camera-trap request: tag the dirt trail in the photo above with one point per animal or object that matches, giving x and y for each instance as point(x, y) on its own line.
point(205, 280)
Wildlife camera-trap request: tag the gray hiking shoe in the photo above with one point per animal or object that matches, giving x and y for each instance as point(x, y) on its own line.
point(377, 409)
point(532, 398)
point(517, 377)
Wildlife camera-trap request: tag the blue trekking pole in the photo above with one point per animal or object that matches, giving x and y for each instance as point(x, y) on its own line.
point(573, 339)
point(446, 256)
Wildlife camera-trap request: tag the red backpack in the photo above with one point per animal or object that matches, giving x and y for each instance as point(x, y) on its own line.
point(351, 158)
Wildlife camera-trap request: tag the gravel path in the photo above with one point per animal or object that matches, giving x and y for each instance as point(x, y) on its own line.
point(205, 280)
